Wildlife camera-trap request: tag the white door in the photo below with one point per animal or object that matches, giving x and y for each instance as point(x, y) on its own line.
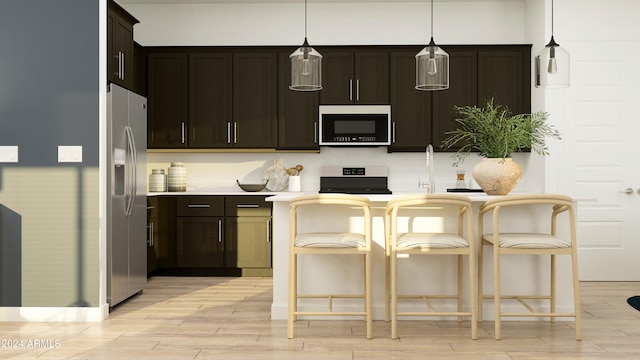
point(602, 158)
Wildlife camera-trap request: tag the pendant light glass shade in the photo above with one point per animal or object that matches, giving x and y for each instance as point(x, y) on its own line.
point(306, 69)
point(552, 64)
point(432, 66)
point(306, 65)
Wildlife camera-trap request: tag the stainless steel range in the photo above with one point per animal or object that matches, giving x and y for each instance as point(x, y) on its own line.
point(354, 180)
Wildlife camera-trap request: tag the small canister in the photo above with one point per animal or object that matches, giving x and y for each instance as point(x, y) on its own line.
point(177, 180)
point(157, 181)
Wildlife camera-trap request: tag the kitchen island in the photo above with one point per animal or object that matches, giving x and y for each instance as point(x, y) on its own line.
point(522, 274)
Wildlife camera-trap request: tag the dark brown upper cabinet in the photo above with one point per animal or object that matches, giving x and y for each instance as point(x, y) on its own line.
point(355, 77)
point(410, 108)
point(476, 73)
point(504, 73)
point(210, 89)
point(120, 46)
point(254, 100)
point(297, 112)
point(463, 75)
point(168, 100)
point(238, 97)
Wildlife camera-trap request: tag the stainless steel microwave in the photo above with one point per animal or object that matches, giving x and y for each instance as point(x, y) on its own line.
point(343, 125)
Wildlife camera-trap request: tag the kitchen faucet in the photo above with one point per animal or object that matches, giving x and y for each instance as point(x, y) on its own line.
point(430, 185)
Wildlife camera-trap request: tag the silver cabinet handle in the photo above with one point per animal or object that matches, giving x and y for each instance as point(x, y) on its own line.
point(628, 191)
point(219, 230)
point(200, 206)
point(358, 90)
point(182, 132)
point(150, 240)
point(269, 231)
point(350, 89)
point(235, 132)
point(228, 132)
point(315, 132)
point(247, 206)
point(123, 62)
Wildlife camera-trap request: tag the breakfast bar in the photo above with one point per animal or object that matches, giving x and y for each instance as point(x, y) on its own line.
point(522, 274)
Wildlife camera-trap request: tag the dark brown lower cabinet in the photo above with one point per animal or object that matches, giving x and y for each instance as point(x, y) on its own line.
point(209, 235)
point(200, 242)
point(152, 237)
point(248, 229)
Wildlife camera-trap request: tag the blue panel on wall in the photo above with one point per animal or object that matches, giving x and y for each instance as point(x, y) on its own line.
point(49, 78)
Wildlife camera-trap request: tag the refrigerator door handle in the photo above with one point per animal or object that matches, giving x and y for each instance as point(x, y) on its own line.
point(132, 188)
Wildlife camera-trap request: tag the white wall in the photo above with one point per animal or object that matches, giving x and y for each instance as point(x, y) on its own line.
point(377, 23)
point(362, 23)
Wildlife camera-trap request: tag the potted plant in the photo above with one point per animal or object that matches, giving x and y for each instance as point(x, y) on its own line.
point(495, 133)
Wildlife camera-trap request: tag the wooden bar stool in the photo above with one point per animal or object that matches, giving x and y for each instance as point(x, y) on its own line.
point(529, 243)
point(350, 242)
point(436, 242)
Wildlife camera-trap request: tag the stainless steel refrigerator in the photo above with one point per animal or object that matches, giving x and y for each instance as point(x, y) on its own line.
point(127, 194)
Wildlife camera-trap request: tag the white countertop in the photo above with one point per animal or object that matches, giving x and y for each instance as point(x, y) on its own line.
point(286, 195)
point(474, 196)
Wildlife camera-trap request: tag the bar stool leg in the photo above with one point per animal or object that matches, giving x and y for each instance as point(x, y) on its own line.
point(552, 283)
point(367, 294)
point(293, 294)
point(394, 295)
point(496, 291)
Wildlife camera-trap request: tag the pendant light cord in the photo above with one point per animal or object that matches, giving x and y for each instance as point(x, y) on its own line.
point(432, 19)
point(551, 18)
point(305, 20)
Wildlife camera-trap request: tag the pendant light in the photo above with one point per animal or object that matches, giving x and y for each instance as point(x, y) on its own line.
point(552, 64)
point(306, 65)
point(432, 65)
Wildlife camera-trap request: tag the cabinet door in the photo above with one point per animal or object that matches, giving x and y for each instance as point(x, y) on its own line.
point(410, 108)
point(254, 100)
point(505, 75)
point(165, 232)
point(120, 46)
point(461, 92)
point(337, 78)
point(200, 242)
point(210, 100)
point(252, 236)
point(297, 112)
point(371, 78)
point(123, 33)
point(248, 231)
point(152, 237)
point(112, 59)
point(167, 115)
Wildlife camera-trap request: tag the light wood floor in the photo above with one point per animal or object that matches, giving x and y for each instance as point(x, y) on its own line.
point(228, 318)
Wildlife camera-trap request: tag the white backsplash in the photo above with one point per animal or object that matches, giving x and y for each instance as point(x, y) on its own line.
point(220, 170)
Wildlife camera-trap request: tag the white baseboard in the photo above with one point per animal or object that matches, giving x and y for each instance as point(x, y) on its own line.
point(60, 314)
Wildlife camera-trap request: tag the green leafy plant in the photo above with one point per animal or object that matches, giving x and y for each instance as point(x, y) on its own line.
point(493, 132)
